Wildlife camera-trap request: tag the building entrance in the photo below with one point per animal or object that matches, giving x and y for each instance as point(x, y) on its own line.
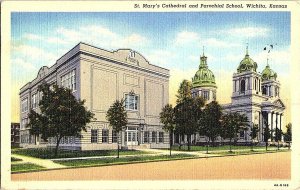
point(131, 136)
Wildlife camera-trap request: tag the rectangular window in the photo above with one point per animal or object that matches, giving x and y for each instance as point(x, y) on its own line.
point(241, 134)
point(34, 100)
point(105, 134)
point(24, 105)
point(94, 136)
point(161, 137)
point(131, 102)
point(69, 80)
point(153, 136)
point(23, 123)
point(205, 95)
point(114, 136)
point(146, 137)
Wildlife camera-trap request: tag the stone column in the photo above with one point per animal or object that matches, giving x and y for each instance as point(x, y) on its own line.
point(280, 123)
point(123, 138)
point(274, 123)
point(260, 125)
point(269, 120)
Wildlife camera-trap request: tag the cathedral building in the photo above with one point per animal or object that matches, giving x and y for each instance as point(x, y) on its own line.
point(254, 94)
point(257, 96)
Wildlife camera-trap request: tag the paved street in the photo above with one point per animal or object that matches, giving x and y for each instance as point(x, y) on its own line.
point(259, 166)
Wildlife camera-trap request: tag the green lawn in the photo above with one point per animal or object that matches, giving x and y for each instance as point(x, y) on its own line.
point(47, 153)
point(217, 148)
point(256, 151)
point(13, 159)
point(25, 167)
point(123, 160)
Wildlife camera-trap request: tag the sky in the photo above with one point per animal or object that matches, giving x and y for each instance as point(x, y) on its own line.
point(171, 40)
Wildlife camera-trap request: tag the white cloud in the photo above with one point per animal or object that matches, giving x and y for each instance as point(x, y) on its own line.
point(55, 40)
point(214, 42)
point(34, 54)
point(98, 31)
point(160, 57)
point(134, 39)
point(276, 57)
point(247, 32)
point(186, 37)
point(32, 37)
point(101, 36)
point(18, 62)
point(232, 58)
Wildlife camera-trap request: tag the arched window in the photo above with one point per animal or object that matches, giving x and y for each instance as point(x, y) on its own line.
point(243, 86)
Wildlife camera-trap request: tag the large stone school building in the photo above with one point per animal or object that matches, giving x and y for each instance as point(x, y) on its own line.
point(100, 77)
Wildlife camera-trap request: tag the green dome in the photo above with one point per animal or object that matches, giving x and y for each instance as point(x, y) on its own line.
point(268, 74)
point(204, 76)
point(247, 64)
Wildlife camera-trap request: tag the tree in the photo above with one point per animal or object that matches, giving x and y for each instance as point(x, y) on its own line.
point(61, 115)
point(117, 117)
point(233, 123)
point(210, 125)
point(266, 134)
point(167, 117)
point(278, 135)
point(184, 91)
point(253, 133)
point(187, 115)
point(288, 134)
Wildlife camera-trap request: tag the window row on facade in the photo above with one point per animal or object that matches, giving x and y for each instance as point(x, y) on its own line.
point(128, 136)
point(205, 94)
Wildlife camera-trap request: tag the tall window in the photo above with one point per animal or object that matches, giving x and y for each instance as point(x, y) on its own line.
point(24, 105)
point(146, 136)
point(153, 136)
point(69, 80)
point(264, 91)
point(276, 91)
point(205, 95)
point(161, 137)
point(94, 136)
point(131, 102)
point(34, 100)
point(243, 86)
point(114, 136)
point(105, 134)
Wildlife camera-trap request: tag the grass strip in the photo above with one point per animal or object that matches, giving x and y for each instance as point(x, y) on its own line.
point(48, 153)
point(25, 167)
point(218, 148)
point(13, 159)
point(122, 160)
point(228, 153)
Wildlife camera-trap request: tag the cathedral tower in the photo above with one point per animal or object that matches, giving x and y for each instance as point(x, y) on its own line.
point(203, 83)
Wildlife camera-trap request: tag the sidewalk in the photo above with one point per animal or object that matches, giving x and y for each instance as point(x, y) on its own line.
point(201, 154)
point(41, 162)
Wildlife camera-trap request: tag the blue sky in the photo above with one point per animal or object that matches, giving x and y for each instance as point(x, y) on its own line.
point(171, 40)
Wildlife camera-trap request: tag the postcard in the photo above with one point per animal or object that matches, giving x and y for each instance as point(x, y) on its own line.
point(150, 95)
